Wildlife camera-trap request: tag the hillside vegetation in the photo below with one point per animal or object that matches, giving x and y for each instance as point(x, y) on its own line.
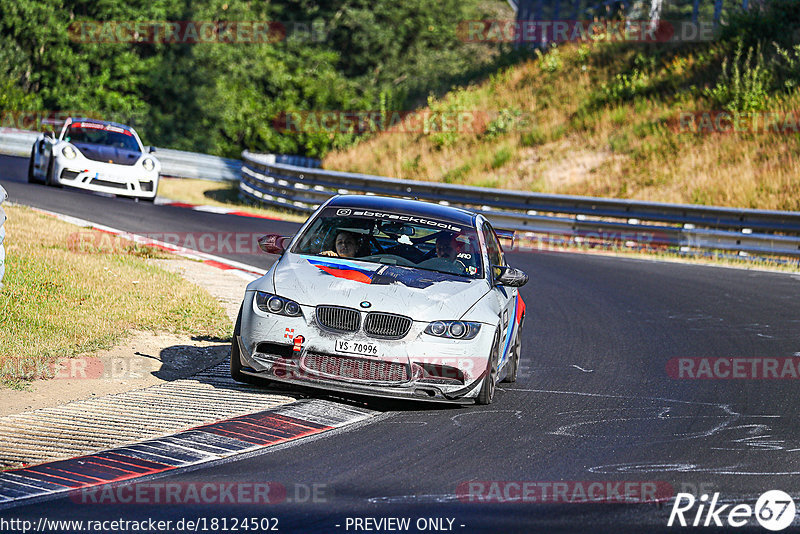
point(604, 119)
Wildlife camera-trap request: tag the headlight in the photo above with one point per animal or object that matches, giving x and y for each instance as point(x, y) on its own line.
point(292, 308)
point(437, 329)
point(69, 152)
point(148, 164)
point(270, 303)
point(453, 329)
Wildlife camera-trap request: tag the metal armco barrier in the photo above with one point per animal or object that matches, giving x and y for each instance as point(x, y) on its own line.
point(3, 197)
point(16, 142)
point(179, 164)
point(629, 223)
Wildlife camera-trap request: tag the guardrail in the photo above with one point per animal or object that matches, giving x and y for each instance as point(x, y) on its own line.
point(628, 223)
point(3, 197)
point(16, 142)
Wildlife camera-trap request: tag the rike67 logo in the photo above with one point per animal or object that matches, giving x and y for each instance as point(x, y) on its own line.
point(774, 510)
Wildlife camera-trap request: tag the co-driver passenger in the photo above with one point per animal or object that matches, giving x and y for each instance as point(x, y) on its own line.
point(446, 246)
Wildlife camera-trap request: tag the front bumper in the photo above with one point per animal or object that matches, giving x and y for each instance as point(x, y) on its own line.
point(435, 369)
point(127, 180)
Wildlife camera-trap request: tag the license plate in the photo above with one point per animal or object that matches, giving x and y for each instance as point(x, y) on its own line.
point(357, 347)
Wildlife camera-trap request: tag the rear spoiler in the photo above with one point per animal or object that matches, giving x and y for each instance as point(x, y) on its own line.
point(54, 122)
point(506, 238)
point(55, 125)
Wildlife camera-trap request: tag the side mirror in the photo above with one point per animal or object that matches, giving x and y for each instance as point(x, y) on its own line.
point(508, 276)
point(151, 149)
point(274, 243)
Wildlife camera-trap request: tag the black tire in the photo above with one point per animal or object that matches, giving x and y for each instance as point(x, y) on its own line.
point(486, 394)
point(513, 364)
point(236, 362)
point(49, 178)
point(31, 179)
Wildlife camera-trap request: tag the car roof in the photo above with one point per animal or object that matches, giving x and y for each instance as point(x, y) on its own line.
point(401, 205)
point(98, 121)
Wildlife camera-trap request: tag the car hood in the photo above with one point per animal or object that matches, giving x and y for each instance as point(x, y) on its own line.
point(421, 295)
point(108, 154)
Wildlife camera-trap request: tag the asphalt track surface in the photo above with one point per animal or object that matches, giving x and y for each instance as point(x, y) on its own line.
point(593, 402)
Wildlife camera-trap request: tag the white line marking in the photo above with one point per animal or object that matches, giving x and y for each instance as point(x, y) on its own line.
point(249, 270)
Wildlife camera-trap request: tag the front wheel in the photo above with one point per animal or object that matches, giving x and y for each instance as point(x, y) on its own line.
point(31, 179)
point(486, 394)
point(513, 362)
point(50, 179)
point(236, 359)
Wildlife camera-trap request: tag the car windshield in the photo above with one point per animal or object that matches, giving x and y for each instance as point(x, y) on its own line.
point(394, 239)
point(101, 134)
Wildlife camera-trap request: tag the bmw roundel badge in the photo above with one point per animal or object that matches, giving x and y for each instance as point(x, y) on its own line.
point(366, 304)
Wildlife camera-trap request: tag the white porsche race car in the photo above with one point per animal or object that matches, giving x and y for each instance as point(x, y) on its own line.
point(98, 156)
point(386, 297)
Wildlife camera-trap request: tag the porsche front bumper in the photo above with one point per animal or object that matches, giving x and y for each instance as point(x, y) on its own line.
point(127, 180)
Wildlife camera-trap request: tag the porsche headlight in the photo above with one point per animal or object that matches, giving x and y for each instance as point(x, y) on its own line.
point(148, 164)
point(453, 329)
point(270, 303)
point(69, 152)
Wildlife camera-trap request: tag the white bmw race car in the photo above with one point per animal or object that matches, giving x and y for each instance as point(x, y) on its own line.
point(98, 156)
point(385, 297)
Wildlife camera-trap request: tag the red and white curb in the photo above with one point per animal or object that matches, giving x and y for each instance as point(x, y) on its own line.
point(242, 270)
point(203, 444)
point(213, 209)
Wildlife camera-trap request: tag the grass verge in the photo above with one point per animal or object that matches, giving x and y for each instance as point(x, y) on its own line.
point(60, 301)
